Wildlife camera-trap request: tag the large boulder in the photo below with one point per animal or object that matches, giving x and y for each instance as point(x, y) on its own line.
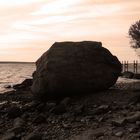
point(69, 68)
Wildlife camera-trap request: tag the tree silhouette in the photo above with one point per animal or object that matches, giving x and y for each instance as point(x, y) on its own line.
point(134, 33)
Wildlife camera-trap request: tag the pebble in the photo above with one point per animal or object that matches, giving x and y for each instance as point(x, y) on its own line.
point(18, 122)
point(134, 118)
point(119, 122)
point(14, 112)
point(119, 134)
point(137, 135)
point(33, 136)
point(9, 136)
point(98, 134)
point(101, 110)
point(66, 101)
point(59, 109)
point(39, 119)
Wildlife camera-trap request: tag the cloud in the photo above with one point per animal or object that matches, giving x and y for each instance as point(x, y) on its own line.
point(32, 25)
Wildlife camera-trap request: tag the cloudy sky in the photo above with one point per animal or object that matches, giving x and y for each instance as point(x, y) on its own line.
point(30, 27)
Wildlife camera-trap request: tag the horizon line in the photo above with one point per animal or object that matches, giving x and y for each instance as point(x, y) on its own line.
point(16, 62)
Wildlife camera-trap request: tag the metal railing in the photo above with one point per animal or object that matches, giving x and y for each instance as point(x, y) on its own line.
point(133, 67)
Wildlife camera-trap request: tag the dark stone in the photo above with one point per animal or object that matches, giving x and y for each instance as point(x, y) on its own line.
point(33, 136)
point(135, 99)
point(78, 110)
point(127, 74)
point(72, 68)
point(100, 110)
point(7, 86)
point(40, 119)
point(133, 118)
point(14, 112)
point(136, 76)
point(18, 122)
point(119, 134)
point(66, 101)
point(59, 109)
point(119, 122)
point(9, 136)
point(24, 85)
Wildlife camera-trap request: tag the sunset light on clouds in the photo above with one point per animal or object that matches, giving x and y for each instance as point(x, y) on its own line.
point(30, 27)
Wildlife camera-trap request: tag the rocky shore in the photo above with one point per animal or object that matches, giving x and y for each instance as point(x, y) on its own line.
point(113, 114)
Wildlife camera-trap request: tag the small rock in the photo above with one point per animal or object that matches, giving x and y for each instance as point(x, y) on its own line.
point(59, 109)
point(79, 109)
point(66, 126)
point(98, 134)
point(39, 119)
point(66, 101)
point(119, 134)
point(134, 118)
point(136, 98)
point(119, 122)
point(101, 110)
point(9, 136)
point(33, 136)
point(137, 135)
point(24, 85)
point(49, 106)
point(7, 86)
point(14, 112)
point(18, 122)
point(18, 127)
point(136, 76)
point(138, 123)
point(41, 107)
point(132, 130)
point(127, 74)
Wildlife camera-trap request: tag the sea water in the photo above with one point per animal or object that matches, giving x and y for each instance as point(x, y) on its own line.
point(14, 73)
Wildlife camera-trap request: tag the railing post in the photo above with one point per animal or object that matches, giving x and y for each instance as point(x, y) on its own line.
point(122, 67)
point(127, 65)
point(135, 66)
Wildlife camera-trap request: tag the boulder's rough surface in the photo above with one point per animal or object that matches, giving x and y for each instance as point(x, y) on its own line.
point(74, 68)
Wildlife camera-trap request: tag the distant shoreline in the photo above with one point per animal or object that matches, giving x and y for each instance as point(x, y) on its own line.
point(17, 62)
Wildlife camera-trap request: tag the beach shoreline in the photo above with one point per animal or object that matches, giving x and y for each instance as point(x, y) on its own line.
point(94, 115)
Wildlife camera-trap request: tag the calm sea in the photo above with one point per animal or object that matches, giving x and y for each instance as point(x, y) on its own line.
point(14, 73)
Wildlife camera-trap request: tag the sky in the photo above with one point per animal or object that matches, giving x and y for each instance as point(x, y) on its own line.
point(29, 27)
